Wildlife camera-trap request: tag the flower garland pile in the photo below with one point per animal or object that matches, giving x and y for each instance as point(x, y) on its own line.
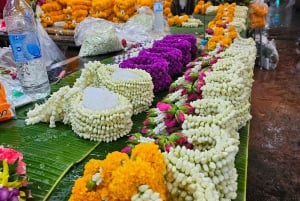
point(13, 179)
point(228, 22)
point(183, 45)
point(231, 79)
point(103, 179)
point(135, 94)
point(208, 171)
point(200, 140)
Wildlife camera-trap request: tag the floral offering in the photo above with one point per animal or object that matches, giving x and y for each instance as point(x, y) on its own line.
point(13, 177)
point(123, 177)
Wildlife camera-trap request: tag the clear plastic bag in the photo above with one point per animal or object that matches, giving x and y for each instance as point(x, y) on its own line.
point(138, 28)
point(96, 36)
point(270, 55)
point(50, 51)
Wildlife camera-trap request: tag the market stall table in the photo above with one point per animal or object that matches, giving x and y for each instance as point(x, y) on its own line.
point(55, 156)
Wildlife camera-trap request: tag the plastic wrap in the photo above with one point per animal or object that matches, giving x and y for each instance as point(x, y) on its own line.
point(96, 36)
point(258, 13)
point(270, 55)
point(50, 51)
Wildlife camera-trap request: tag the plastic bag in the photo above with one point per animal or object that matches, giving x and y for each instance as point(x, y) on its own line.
point(258, 13)
point(96, 36)
point(6, 58)
point(269, 55)
point(50, 51)
point(138, 28)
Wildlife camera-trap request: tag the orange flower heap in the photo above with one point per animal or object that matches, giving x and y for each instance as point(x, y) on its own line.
point(201, 7)
point(218, 28)
point(103, 179)
point(258, 14)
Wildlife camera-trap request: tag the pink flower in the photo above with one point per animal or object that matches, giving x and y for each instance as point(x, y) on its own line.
point(126, 150)
point(149, 122)
point(170, 122)
point(182, 140)
point(131, 138)
point(144, 130)
point(168, 147)
point(188, 76)
point(187, 108)
point(192, 97)
point(210, 31)
point(189, 146)
point(172, 129)
point(10, 154)
point(21, 169)
point(180, 117)
point(14, 76)
point(164, 107)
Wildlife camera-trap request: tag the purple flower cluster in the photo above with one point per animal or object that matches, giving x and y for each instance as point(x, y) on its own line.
point(7, 194)
point(157, 67)
point(172, 55)
point(183, 45)
point(189, 37)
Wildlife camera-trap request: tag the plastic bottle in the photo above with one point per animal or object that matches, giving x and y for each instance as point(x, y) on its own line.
point(158, 10)
point(22, 32)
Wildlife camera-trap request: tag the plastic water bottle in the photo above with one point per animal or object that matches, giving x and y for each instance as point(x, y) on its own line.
point(22, 33)
point(158, 9)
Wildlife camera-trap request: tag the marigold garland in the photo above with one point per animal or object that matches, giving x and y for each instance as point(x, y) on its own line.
point(118, 171)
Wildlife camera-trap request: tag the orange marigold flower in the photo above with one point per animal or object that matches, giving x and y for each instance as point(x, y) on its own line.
point(133, 174)
point(150, 153)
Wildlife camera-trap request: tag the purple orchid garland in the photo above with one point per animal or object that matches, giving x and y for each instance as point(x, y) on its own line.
point(157, 67)
point(189, 37)
point(183, 45)
point(172, 55)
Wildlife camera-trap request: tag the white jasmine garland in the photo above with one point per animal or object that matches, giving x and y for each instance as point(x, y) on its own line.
point(103, 126)
point(211, 111)
point(138, 91)
point(50, 111)
point(145, 193)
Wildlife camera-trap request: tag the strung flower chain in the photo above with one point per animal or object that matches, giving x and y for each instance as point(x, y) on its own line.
point(103, 126)
point(145, 193)
point(211, 112)
point(214, 162)
point(50, 111)
point(134, 84)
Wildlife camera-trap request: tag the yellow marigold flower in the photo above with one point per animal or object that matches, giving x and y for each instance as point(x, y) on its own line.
point(80, 192)
point(218, 31)
point(171, 21)
point(92, 166)
point(128, 178)
point(211, 45)
point(150, 153)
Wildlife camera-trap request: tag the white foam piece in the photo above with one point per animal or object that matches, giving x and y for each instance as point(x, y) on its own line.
point(124, 75)
point(99, 99)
